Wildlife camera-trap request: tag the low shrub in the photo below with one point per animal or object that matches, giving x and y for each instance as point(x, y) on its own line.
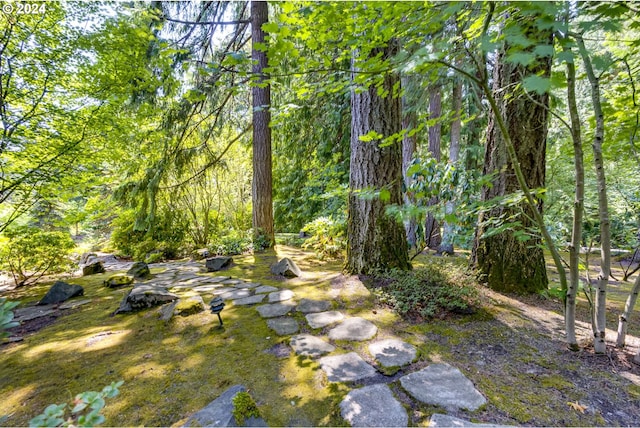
point(432, 291)
point(6, 316)
point(327, 237)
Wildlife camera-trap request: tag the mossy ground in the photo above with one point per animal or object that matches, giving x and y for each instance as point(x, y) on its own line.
point(509, 349)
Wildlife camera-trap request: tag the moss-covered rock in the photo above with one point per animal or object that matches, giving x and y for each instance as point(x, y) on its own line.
point(118, 280)
point(139, 270)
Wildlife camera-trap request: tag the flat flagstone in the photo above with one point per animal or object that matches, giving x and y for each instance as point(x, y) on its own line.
point(373, 406)
point(247, 285)
point(274, 309)
point(265, 289)
point(231, 281)
point(283, 326)
point(251, 300)
point(322, 319)
point(307, 306)
point(392, 352)
point(312, 346)
point(346, 368)
point(74, 304)
point(235, 294)
point(353, 329)
point(218, 279)
point(440, 420)
point(221, 290)
point(443, 385)
point(209, 288)
point(280, 296)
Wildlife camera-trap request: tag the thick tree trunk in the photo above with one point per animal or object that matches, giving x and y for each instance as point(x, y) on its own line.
point(262, 180)
point(375, 240)
point(505, 262)
point(409, 146)
point(454, 151)
point(432, 227)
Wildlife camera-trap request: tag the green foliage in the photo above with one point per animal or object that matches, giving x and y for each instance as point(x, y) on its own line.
point(328, 237)
point(439, 288)
point(244, 407)
point(85, 412)
point(6, 316)
point(31, 253)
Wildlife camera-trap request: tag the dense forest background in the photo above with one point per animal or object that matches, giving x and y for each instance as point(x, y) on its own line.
point(378, 129)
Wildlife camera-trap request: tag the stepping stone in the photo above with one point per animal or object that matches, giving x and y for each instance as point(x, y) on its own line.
point(275, 309)
point(74, 304)
point(247, 285)
point(251, 300)
point(307, 306)
point(312, 346)
point(280, 296)
point(346, 368)
point(443, 385)
point(232, 281)
point(265, 289)
point(210, 288)
point(235, 294)
point(373, 406)
point(392, 352)
point(353, 329)
point(219, 413)
point(440, 420)
point(214, 264)
point(321, 319)
point(220, 290)
point(218, 279)
point(283, 326)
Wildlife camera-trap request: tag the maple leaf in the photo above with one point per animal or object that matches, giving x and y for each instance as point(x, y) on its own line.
point(577, 407)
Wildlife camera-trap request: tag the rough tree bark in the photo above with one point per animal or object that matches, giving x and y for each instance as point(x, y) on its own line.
point(505, 262)
point(432, 227)
point(375, 240)
point(409, 146)
point(262, 196)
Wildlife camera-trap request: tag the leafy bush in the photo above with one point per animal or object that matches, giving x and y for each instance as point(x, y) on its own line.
point(432, 291)
point(31, 253)
point(327, 237)
point(244, 407)
point(234, 243)
point(85, 412)
point(6, 316)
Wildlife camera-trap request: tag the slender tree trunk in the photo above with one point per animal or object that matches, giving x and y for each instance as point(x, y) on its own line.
point(600, 305)
point(432, 234)
point(262, 197)
point(505, 262)
point(578, 208)
point(628, 309)
point(408, 150)
point(454, 152)
point(375, 240)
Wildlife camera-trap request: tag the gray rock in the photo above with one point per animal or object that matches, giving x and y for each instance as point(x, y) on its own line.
point(215, 264)
point(219, 291)
point(353, 329)
point(251, 300)
point(265, 289)
point(61, 291)
point(443, 385)
point(247, 285)
point(199, 254)
point(218, 279)
point(118, 280)
point(74, 304)
point(440, 420)
point(33, 312)
point(182, 307)
point(280, 296)
point(346, 368)
point(231, 281)
point(392, 352)
point(93, 268)
point(286, 267)
point(219, 413)
point(86, 257)
point(145, 296)
point(283, 326)
point(373, 406)
point(312, 346)
point(139, 270)
point(209, 288)
point(322, 319)
point(235, 294)
point(275, 309)
point(307, 306)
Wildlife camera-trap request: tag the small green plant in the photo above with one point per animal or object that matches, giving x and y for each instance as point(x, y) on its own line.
point(85, 412)
point(6, 316)
point(244, 407)
point(327, 237)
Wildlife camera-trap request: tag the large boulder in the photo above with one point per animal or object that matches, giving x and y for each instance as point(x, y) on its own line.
point(93, 268)
point(286, 267)
point(182, 307)
point(61, 291)
point(118, 280)
point(88, 258)
point(139, 270)
point(215, 264)
point(145, 296)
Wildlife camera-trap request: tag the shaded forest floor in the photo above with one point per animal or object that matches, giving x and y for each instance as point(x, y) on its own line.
point(512, 349)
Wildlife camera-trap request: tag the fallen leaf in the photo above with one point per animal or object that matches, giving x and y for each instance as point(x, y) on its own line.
point(577, 407)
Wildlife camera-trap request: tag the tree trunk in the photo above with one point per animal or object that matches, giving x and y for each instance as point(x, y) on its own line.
point(262, 180)
point(454, 152)
point(432, 227)
point(375, 240)
point(505, 262)
point(628, 310)
point(408, 149)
